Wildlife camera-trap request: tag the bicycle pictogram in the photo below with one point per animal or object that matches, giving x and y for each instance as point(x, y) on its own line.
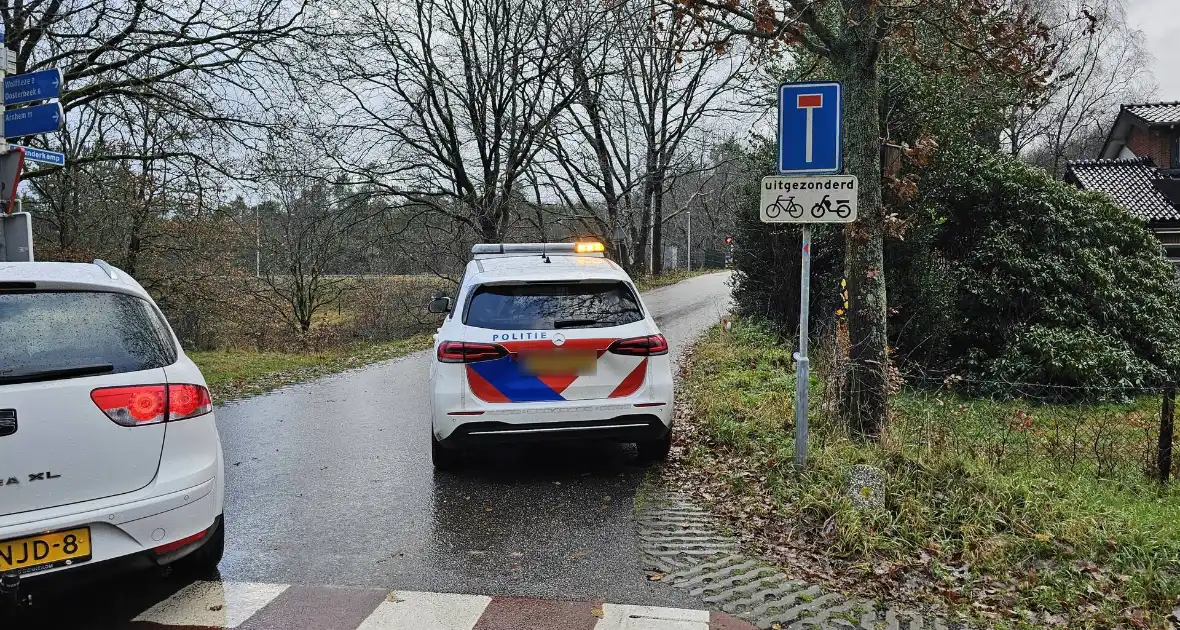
point(794, 210)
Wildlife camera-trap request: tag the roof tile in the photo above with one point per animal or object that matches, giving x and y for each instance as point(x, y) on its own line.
point(1129, 182)
point(1157, 113)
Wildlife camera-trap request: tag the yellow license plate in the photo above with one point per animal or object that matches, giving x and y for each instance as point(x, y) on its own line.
point(562, 363)
point(45, 551)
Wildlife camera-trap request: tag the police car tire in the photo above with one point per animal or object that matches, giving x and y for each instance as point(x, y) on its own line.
point(651, 451)
point(443, 458)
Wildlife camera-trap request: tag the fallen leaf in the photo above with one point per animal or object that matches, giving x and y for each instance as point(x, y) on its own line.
point(216, 607)
point(597, 612)
point(578, 554)
point(655, 576)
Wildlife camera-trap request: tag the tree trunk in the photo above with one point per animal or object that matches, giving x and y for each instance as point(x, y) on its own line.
point(657, 225)
point(489, 227)
point(645, 226)
point(865, 403)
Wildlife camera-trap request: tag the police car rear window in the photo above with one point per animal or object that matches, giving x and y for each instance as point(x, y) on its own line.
point(553, 305)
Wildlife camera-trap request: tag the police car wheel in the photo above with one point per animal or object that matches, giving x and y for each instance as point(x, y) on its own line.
point(651, 451)
point(443, 458)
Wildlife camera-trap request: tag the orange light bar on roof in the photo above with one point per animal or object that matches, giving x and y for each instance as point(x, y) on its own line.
point(589, 247)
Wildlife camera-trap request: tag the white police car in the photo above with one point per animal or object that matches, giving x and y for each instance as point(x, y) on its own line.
point(544, 342)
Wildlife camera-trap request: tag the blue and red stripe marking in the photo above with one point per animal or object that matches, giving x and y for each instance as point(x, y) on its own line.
point(505, 379)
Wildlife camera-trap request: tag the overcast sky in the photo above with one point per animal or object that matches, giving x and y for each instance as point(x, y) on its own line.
point(1160, 22)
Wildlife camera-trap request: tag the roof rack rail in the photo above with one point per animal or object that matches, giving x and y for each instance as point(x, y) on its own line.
point(109, 270)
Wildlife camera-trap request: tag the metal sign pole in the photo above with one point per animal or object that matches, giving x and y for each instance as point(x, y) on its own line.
point(810, 143)
point(801, 376)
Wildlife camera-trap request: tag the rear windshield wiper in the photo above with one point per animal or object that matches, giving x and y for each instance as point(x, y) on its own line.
point(574, 323)
point(49, 375)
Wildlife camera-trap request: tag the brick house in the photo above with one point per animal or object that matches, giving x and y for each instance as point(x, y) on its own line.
point(1139, 166)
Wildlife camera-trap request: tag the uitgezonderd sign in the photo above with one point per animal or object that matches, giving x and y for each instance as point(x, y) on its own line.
point(818, 199)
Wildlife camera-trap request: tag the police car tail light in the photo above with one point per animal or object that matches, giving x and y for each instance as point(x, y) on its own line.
point(151, 404)
point(640, 346)
point(469, 352)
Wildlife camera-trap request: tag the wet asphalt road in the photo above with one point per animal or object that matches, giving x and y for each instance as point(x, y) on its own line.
point(330, 482)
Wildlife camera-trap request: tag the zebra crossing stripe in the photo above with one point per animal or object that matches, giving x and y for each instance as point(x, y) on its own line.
point(212, 604)
point(255, 606)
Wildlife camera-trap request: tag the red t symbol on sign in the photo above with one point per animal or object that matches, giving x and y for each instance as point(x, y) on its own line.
point(809, 102)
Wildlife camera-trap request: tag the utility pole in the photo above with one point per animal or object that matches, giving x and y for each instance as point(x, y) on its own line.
point(689, 210)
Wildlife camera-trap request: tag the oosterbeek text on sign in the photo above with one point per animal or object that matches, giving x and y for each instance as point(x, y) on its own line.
point(809, 184)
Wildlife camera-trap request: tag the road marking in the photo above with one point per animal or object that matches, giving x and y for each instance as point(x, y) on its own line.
point(624, 617)
point(252, 606)
point(426, 611)
point(212, 604)
point(521, 613)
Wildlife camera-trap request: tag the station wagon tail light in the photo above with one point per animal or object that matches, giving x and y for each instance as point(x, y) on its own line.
point(188, 401)
point(640, 346)
point(469, 352)
point(589, 247)
point(138, 405)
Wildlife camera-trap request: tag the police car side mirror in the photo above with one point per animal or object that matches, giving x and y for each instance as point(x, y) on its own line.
point(441, 304)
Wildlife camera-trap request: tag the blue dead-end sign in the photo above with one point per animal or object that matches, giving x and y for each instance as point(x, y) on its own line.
point(33, 86)
point(30, 121)
point(810, 128)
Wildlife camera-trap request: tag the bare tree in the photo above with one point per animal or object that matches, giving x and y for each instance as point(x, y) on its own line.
point(308, 234)
point(1104, 64)
point(163, 99)
point(455, 97)
point(640, 96)
point(212, 61)
point(703, 201)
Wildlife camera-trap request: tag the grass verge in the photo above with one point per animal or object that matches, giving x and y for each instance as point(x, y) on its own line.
point(647, 283)
point(1019, 542)
point(235, 374)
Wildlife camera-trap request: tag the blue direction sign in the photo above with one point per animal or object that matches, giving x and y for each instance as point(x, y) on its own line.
point(29, 121)
point(34, 86)
point(810, 128)
point(43, 156)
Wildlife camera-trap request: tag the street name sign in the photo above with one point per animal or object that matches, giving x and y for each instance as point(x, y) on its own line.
point(810, 128)
point(33, 86)
point(819, 199)
point(43, 156)
point(29, 121)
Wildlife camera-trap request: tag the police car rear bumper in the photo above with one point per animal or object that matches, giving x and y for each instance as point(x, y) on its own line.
point(624, 428)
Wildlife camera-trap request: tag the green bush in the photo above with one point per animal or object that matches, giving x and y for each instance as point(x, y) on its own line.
point(1003, 274)
point(1031, 280)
